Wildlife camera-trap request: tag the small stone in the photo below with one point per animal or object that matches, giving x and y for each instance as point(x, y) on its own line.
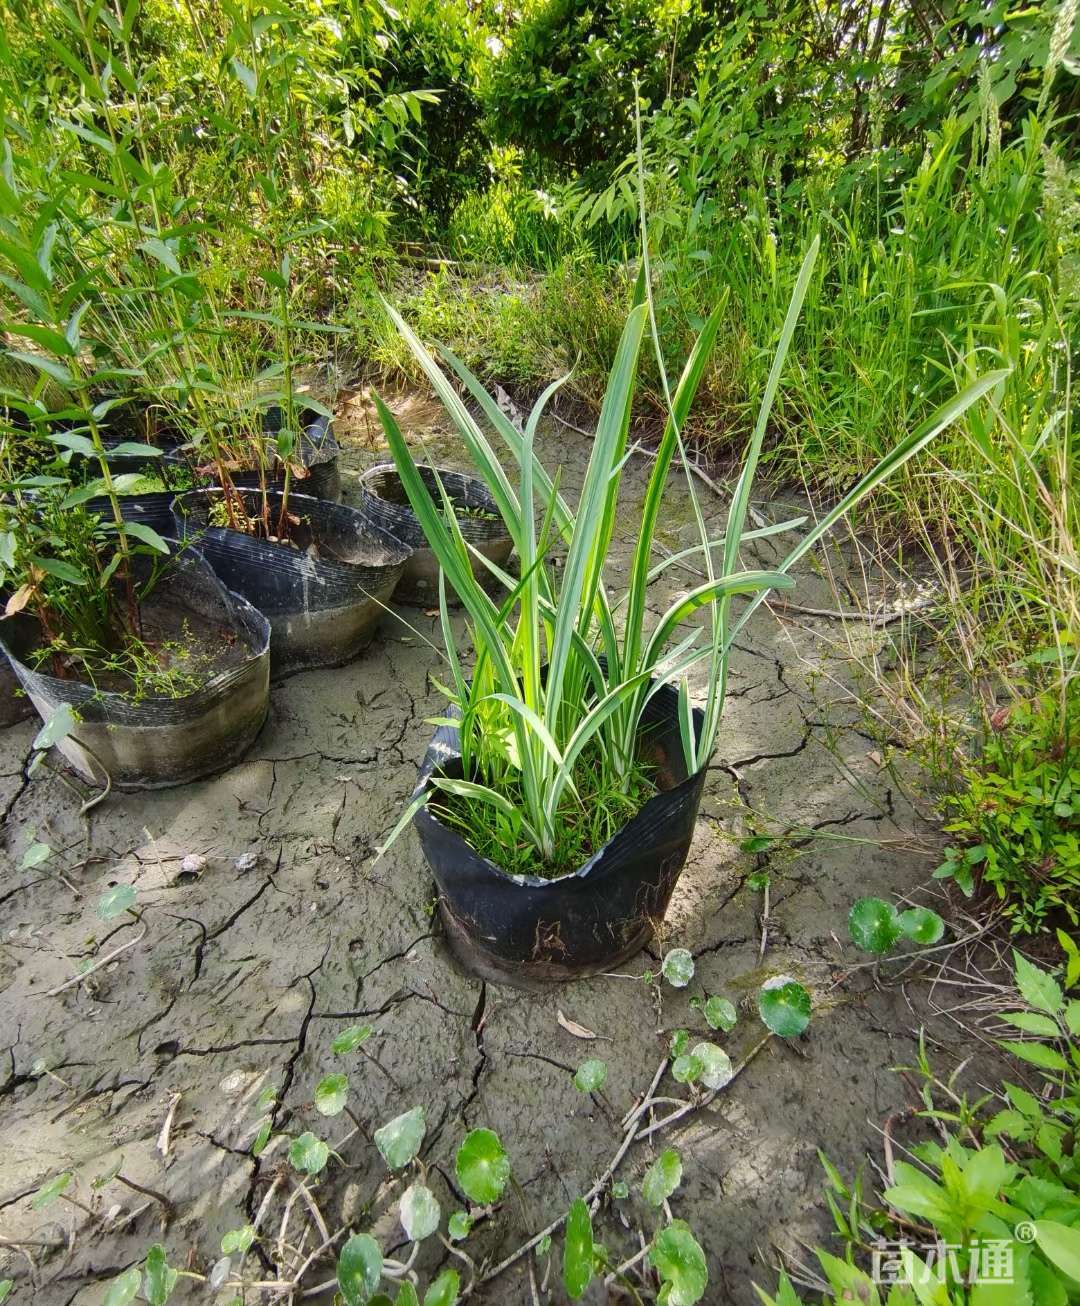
point(247, 861)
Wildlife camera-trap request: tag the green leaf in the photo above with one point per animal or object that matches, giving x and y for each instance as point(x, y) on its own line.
point(159, 250)
point(58, 727)
point(578, 1257)
point(482, 1167)
point(6, 1285)
point(874, 925)
point(50, 1191)
point(399, 1140)
point(406, 1296)
point(44, 336)
point(687, 1069)
point(350, 1039)
point(444, 1291)
point(60, 569)
point(1038, 1054)
point(720, 1013)
point(678, 968)
point(247, 77)
point(332, 1094)
point(115, 901)
point(921, 925)
point(160, 1277)
point(147, 534)
point(237, 1240)
point(124, 1287)
point(1031, 1022)
point(662, 1177)
point(1038, 989)
point(1060, 1244)
point(716, 1067)
point(420, 1212)
point(308, 1154)
point(680, 1263)
point(460, 1225)
point(49, 366)
point(359, 1269)
point(262, 1136)
point(590, 1075)
point(35, 854)
point(784, 1006)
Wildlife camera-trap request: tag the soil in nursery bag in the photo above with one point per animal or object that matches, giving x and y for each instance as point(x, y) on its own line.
point(193, 708)
point(527, 930)
point(323, 582)
point(383, 499)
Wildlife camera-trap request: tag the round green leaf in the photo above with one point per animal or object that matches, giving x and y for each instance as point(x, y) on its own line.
point(921, 925)
point(679, 1261)
point(350, 1039)
point(124, 1287)
point(720, 1013)
point(115, 901)
point(687, 1068)
point(359, 1269)
point(331, 1095)
point(406, 1296)
point(460, 1225)
point(50, 1191)
point(35, 854)
point(619, 1190)
point(662, 1178)
point(717, 1069)
point(784, 1006)
point(590, 1075)
point(874, 925)
point(680, 1042)
point(482, 1166)
point(160, 1278)
point(399, 1140)
point(444, 1291)
point(578, 1250)
point(237, 1240)
point(678, 968)
point(308, 1154)
point(420, 1212)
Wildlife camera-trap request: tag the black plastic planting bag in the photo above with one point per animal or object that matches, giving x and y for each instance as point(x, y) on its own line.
point(317, 450)
point(153, 510)
point(14, 705)
point(524, 929)
point(324, 598)
point(383, 500)
point(152, 742)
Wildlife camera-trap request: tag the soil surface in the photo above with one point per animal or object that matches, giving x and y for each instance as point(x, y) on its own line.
point(245, 966)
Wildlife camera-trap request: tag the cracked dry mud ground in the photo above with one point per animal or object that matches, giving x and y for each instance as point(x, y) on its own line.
point(244, 978)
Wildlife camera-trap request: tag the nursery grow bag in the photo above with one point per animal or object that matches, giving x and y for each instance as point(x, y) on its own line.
point(525, 930)
point(384, 501)
point(153, 510)
point(153, 742)
point(318, 451)
point(14, 704)
point(322, 605)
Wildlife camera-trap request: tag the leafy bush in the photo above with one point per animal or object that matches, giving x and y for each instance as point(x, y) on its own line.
point(992, 1213)
point(1017, 812)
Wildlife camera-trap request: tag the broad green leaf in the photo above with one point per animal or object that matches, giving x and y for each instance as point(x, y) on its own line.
point(444, 1291)
point(678, 968)
point(662, 1177)
point(50, 1191)
point(359, 1269)
point(399, 1140)
point(590, 1075)
point(716, 1067)
point(874, 925)
point(308, 1154)
point(123, 1288)
point(6, 1285)
point(160, 1277)
point(784, 1006)
point(159, 250)
point(249, 80)
point(921, 925)
point(482, 1167)
point(406, 1296)
point(332, 1094)
point(687, 1069)
point(115, 901)
point(58, 727)
point(1031, 1022)
point(60, 569)
point(350, 1039)
point(720, 1013)
point(237, 1240)
point(1038, 988)
point(35, 854)
point(460, 1225)
point(420, 1212)
point(578, 1250)
point(1038, 1054)
point(679, 1261)
point(1060, 1244)
point(146, 534)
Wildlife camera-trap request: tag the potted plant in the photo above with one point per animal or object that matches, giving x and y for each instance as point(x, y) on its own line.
point(557, 801)
point(383, 500)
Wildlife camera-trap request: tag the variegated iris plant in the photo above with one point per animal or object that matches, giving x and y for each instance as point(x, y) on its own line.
point(561, 669)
